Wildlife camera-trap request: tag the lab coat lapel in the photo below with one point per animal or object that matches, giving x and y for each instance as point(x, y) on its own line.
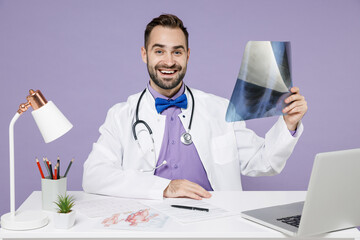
point(199, 133)
point(156, 121)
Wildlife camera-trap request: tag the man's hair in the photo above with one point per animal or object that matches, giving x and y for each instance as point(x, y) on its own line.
point(166, 20)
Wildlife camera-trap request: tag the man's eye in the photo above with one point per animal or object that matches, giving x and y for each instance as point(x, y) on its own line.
point(158, 51)
point(178, 53)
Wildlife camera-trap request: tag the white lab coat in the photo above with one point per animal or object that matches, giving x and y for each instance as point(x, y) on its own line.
point(225, 149)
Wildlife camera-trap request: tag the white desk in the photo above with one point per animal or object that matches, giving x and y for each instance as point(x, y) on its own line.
point(233, 227)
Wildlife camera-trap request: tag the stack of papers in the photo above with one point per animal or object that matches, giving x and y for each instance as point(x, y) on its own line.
point(119, 213)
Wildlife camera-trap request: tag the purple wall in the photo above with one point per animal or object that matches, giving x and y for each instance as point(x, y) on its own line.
point(85, 56)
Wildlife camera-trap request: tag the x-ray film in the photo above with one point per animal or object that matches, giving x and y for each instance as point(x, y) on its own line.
point(263, 83)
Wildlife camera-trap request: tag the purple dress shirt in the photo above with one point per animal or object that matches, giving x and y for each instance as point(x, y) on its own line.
point(183, 161)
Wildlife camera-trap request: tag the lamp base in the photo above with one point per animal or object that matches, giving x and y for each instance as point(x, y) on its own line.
point(24, 220)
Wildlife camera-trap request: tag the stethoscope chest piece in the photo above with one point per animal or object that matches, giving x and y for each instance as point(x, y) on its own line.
point(186, 138)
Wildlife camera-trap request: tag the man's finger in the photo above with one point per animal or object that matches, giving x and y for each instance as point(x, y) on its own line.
point(185, 188)
point(192, 195)
point(292, 106)
point(294, 90)
point(298, 109)
point(199, 190)
point(294, 97)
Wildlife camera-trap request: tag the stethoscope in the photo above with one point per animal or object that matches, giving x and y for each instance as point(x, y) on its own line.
point(185, 137)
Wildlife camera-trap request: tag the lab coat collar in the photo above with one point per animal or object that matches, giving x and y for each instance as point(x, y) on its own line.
point(187, 110)
point(151, 101)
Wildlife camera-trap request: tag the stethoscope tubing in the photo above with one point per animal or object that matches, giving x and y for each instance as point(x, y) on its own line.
point(138, 121)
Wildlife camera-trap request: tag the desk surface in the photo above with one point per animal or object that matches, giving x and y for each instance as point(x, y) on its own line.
point(233, 227)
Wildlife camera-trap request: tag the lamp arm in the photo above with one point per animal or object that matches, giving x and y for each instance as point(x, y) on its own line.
point(22, 108)
point(12, 163)
point(24, 220)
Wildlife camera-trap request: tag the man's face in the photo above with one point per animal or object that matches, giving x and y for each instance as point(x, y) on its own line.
point(166, 56)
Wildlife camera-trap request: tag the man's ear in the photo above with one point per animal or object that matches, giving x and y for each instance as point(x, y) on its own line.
point(188, 55)
point(143, 55)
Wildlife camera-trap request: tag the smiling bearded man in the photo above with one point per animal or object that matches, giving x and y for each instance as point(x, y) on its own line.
point(173, 141)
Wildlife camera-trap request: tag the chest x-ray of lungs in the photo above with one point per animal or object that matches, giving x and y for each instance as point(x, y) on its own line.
point(263, 83)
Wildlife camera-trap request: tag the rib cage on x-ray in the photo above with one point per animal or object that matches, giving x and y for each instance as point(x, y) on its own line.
point(263, 82)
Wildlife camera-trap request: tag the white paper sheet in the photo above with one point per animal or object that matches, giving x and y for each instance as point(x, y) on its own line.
point(190, 216)
point(117, 213)
point(143, 219)
point(105, 206)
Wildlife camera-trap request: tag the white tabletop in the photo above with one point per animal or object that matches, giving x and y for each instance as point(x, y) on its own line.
point(233, 227)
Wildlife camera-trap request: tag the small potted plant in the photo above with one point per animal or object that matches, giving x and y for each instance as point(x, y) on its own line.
point(65, 216)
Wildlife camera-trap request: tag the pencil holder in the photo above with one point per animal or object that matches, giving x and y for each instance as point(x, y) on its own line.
point(50, 190)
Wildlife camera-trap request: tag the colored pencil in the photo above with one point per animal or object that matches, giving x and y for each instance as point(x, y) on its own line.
point(50, 168)
point(41, 172)
point(46, 166)
point(47, 161)
point(58, 168)
point(55, 172)
point(68, 168)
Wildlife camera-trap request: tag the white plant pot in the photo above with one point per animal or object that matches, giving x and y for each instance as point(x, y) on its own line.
point(64, 220)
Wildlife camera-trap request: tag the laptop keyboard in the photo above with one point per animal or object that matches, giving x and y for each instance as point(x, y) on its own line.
point(293, 220)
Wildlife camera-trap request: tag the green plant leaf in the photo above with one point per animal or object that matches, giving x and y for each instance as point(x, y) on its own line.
point(65, 203)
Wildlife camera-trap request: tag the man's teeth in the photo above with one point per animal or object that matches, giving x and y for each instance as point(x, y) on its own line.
point(167, 72)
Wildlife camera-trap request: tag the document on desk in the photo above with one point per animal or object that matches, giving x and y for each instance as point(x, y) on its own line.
point(103, 206)
point(190, 216)
point(117, 213)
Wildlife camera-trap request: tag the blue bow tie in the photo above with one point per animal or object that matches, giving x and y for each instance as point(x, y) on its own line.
point(162, 104)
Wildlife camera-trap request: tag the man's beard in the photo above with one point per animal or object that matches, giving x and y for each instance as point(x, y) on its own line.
point(153, 71)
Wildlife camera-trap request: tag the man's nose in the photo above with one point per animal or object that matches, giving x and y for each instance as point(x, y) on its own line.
point(169, 60)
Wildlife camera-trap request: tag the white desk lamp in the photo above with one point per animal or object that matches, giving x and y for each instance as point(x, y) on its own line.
point(52, 125)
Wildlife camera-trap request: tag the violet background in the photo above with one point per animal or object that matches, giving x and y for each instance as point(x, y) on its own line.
point(85, 56)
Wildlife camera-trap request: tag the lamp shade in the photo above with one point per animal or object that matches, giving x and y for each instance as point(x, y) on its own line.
point(51, 122)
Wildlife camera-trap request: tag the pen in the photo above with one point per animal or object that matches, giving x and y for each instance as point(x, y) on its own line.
point(68, 168)
point(191, 208)
point(38, 164)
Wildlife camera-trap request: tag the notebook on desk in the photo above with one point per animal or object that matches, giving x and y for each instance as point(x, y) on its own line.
point(332, 201)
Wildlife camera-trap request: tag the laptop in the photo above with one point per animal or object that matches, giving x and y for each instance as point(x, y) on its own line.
point(332, 201)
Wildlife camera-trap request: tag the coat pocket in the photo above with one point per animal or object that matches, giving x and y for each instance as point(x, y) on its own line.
point(223, 148)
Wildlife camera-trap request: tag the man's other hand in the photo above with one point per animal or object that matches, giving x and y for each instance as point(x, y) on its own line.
point(185, 188)
point(295, 110)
